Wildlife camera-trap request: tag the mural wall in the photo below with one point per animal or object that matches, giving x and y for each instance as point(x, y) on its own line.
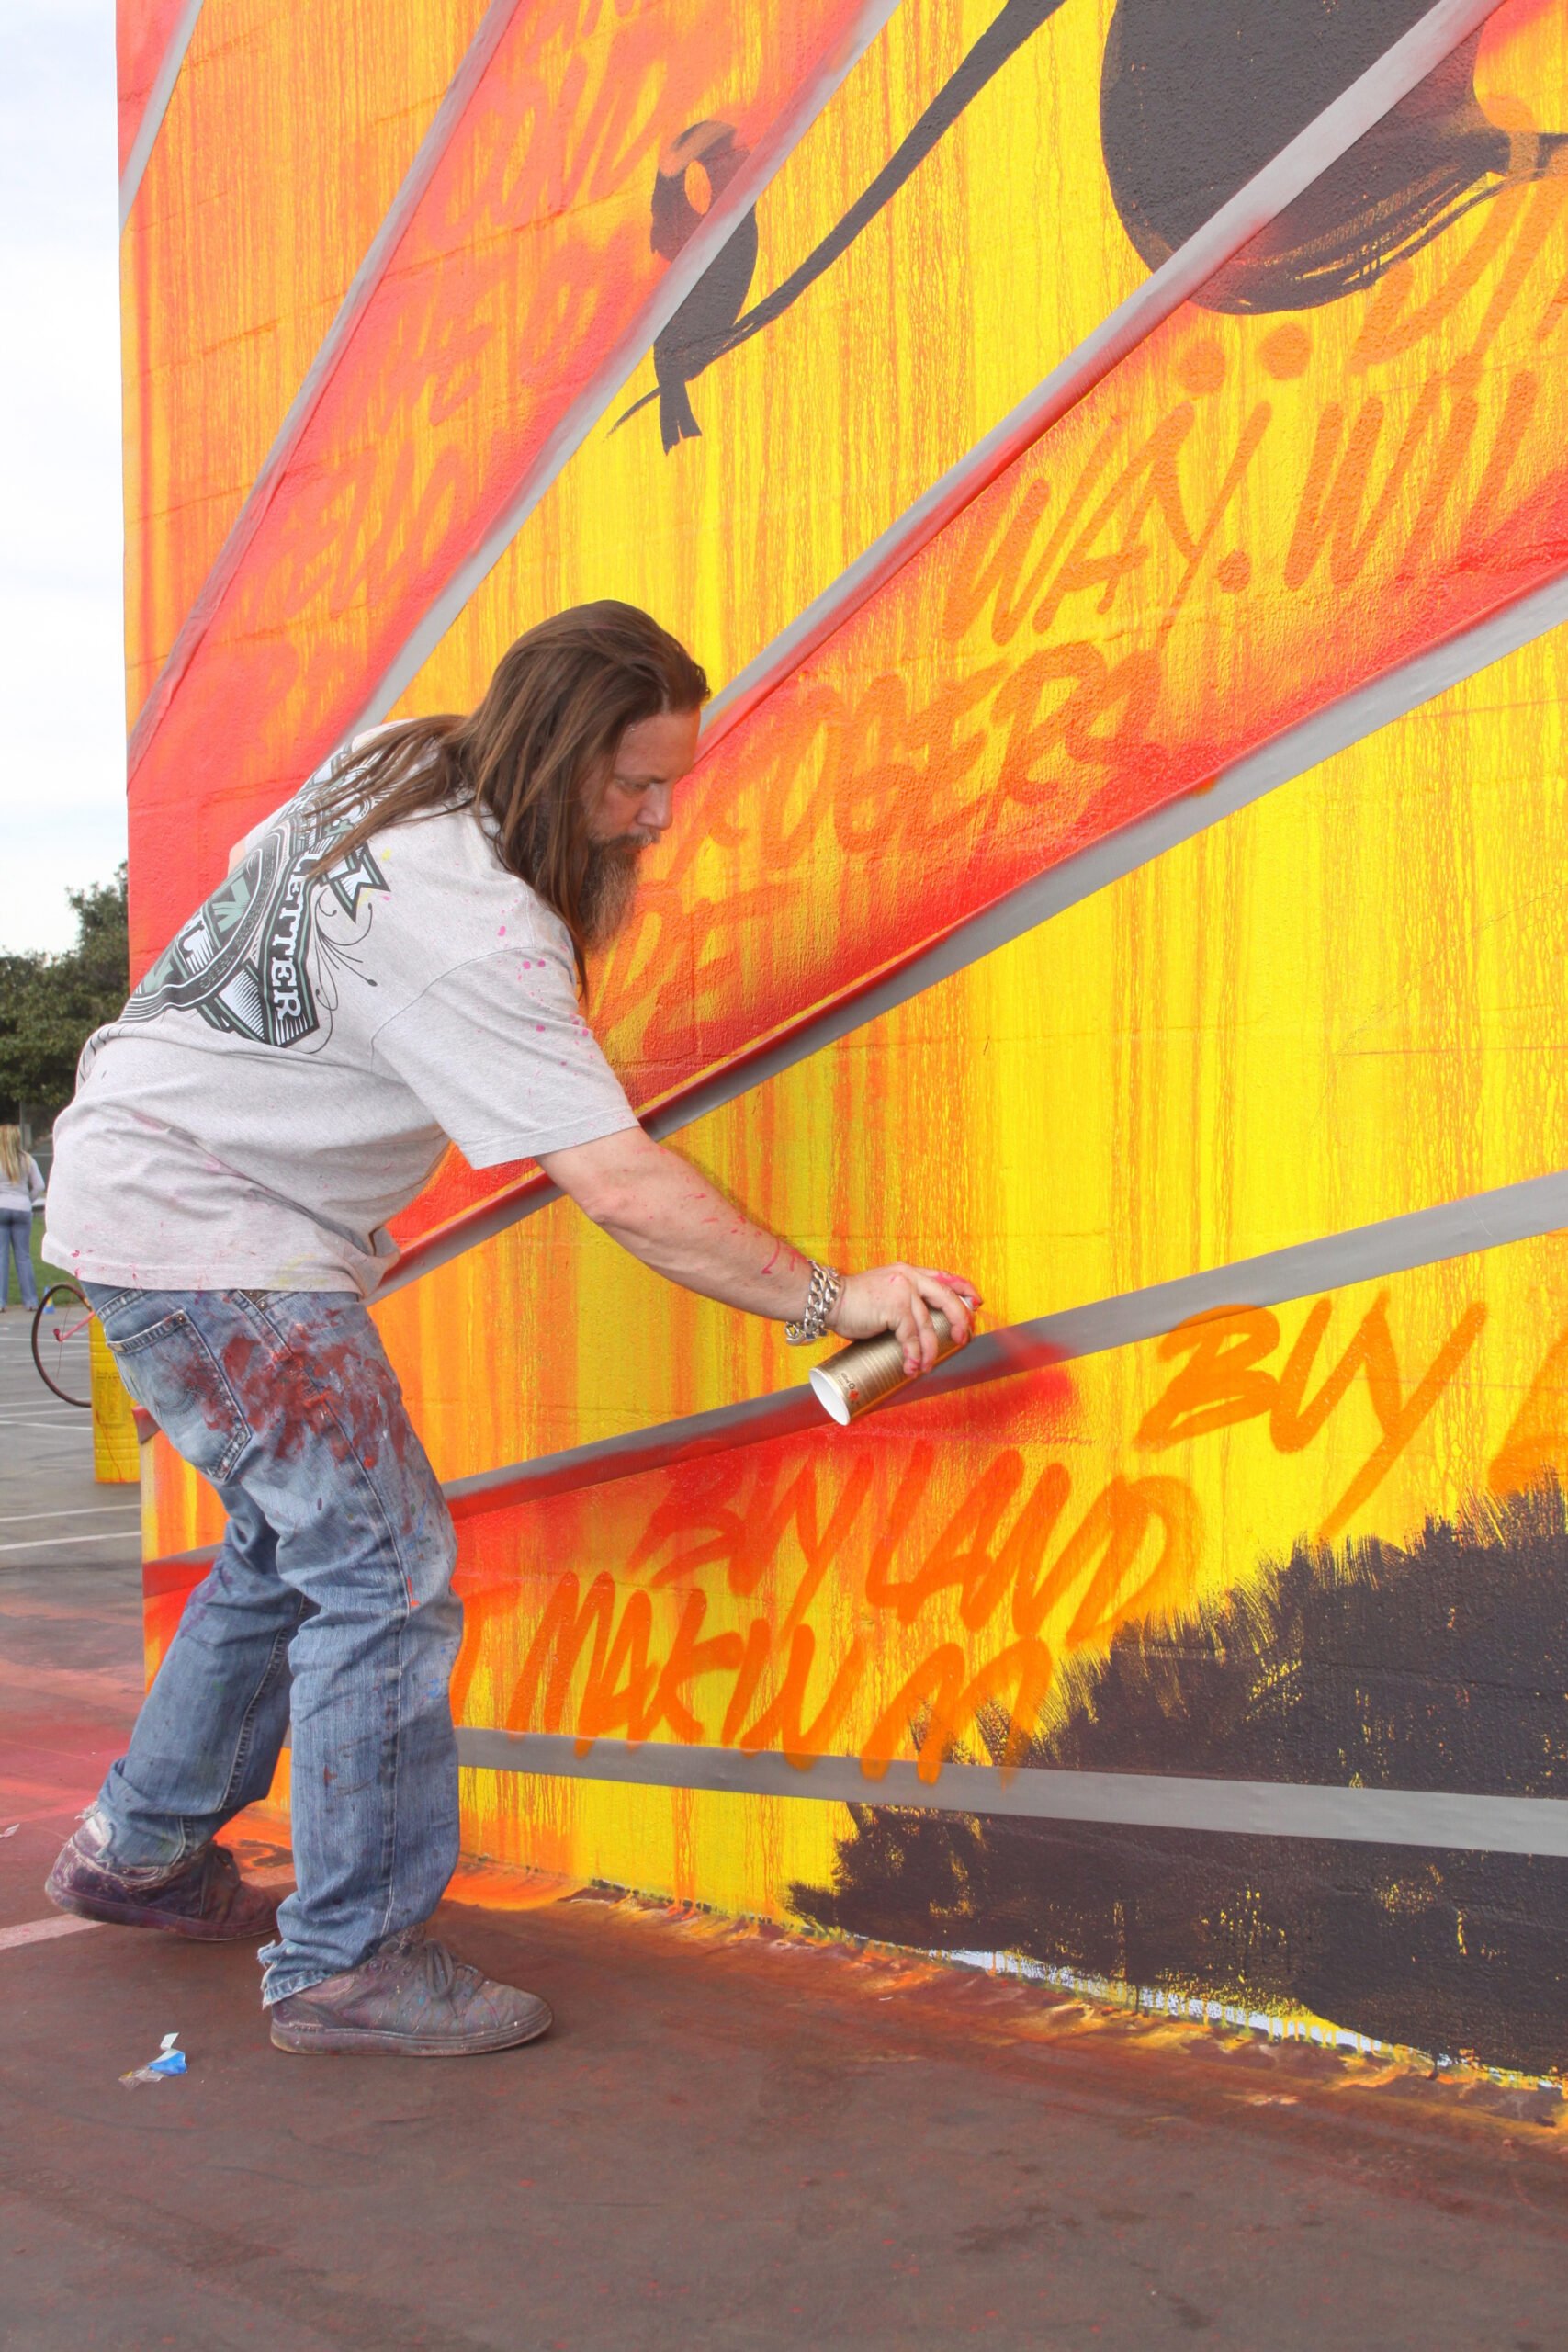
point(1110, 455)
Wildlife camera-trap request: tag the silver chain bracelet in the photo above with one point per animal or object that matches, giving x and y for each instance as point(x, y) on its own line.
point(822, 1297)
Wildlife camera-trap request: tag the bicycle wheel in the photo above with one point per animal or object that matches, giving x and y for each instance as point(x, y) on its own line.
point(60, 1345)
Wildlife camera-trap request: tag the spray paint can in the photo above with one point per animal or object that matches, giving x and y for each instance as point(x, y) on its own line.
point(866, 1372)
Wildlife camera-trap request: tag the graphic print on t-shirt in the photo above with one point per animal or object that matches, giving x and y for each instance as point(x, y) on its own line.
point(251, 960)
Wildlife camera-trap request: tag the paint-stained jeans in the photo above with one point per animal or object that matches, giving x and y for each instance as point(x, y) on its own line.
point(329, 1607)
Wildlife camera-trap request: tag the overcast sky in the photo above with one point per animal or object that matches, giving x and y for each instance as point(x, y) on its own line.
point(62, 676)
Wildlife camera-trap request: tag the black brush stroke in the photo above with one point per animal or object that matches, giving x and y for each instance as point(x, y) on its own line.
point(1440, 1665)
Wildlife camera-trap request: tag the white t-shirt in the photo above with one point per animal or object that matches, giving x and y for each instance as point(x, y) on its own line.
point(286, 1077)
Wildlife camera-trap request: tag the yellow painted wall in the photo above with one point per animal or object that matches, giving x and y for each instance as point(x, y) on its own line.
point(1340, 1005)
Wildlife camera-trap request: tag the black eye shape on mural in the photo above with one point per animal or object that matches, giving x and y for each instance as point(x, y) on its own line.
point(1195, 97)
point(1440, 1666)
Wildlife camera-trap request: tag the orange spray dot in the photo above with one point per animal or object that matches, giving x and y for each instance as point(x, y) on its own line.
point(1285, 351)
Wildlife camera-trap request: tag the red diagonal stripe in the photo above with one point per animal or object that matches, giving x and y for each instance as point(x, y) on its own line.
point(144, 30)
point(521, 288)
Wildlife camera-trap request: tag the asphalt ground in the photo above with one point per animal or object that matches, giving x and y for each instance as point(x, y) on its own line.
point(734, 2138)
point(70, 1554)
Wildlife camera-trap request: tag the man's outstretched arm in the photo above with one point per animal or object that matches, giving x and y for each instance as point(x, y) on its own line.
point(665, 1212)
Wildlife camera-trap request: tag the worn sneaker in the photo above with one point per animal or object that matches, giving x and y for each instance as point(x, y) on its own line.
point(413, 1997)
point(205, 1899)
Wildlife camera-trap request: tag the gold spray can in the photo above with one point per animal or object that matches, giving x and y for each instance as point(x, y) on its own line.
point(862, 1375)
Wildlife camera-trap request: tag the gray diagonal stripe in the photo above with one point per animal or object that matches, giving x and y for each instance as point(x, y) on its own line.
point(1363, 1253)
point(1328, 732)
point(156, 108)
point(1137, 1800)
point(1394, 1245)
point(1300, 748)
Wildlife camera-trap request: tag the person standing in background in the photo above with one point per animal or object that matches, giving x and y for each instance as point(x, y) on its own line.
point(21, 1191)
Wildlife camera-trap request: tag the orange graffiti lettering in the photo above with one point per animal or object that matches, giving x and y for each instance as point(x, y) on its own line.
point(1135, 1555)
point(1220, 1385)
point(962, 1554)
point(610, 1703)
point(1223, 1383)
point(1115, 1529)
point(568, 1620)
point(937, 1689)
point(689, 1658)
point(781, 1718)
point(1399, 1422)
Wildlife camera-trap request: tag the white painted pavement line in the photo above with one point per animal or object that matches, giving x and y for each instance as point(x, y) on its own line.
point(58, 1542)
point(80, 1510)
point(43, 1931)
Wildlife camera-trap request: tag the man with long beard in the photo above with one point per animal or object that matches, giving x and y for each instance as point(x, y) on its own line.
point(393, 961)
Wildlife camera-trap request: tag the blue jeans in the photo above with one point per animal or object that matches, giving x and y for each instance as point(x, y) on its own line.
point(17, 1241)
point(329, 1607)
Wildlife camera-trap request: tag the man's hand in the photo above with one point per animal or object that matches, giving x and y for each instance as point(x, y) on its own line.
point(899, 1299)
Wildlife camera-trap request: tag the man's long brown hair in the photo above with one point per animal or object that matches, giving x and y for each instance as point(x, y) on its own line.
point(562, 696)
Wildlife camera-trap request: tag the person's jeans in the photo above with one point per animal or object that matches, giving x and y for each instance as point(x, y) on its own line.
point(329, 1606)
point(17, 1241)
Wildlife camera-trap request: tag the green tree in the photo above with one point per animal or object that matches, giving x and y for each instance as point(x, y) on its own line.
point(49, 1005)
